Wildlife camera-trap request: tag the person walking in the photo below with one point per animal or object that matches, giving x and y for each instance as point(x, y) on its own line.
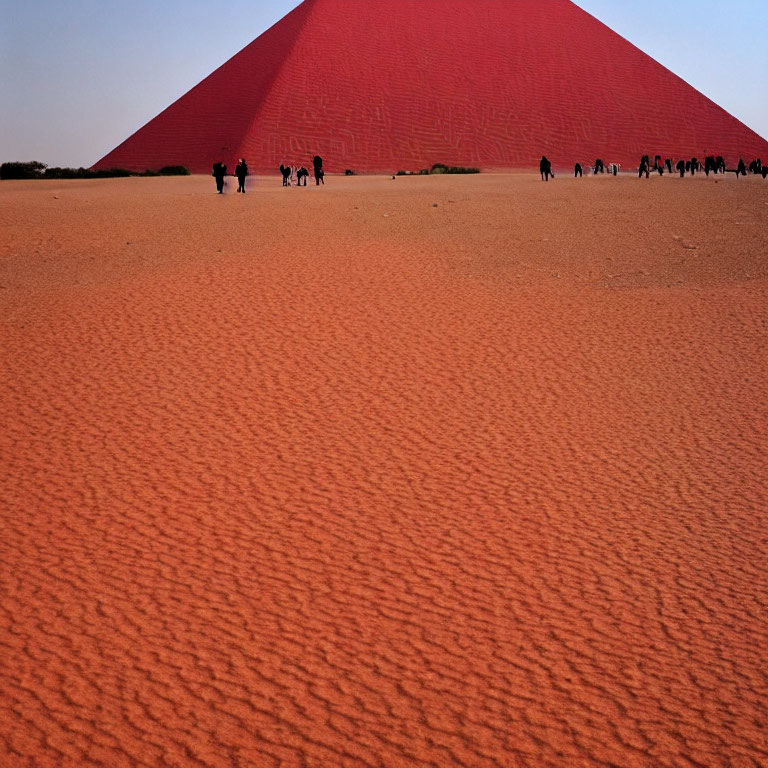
point(219, 172)
point(577, 171)
point(681, 167)
point(241, 171)
point(644, 162)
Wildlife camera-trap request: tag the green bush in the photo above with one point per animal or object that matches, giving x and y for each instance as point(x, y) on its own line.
point(172, 170)
point(112, 173)
point(66, 173)
point(30, 170)
point(74, 173)
point(442, 168)
point(35, 170)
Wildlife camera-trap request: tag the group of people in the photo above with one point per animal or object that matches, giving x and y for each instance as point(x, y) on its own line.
point(296, 173)
point(220, 171)
point(545, 167)
point(711, 164)
point(291, 173)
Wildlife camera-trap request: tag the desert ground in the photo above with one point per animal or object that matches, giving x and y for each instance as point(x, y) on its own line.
point(434, 471)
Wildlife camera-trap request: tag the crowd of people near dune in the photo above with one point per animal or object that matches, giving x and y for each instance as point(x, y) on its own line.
point(693, 166)
point(296, 174)
point(292, 173)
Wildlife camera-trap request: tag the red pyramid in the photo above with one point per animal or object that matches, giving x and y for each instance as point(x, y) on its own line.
point(402, 84)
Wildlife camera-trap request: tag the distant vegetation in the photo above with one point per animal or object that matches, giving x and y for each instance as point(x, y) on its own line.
point(174, 170)
point(439, 168)
point(33, 170)
point(36, 170)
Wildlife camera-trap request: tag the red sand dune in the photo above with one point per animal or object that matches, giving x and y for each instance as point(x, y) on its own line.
point(335, 477)
point(408, 83)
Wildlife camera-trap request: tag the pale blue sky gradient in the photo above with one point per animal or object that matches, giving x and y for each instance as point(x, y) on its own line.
point(77, 77)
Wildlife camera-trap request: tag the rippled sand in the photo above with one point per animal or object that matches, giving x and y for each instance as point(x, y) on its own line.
point(335, 477)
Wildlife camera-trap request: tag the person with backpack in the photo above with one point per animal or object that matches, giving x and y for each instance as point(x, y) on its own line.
point(219, 172)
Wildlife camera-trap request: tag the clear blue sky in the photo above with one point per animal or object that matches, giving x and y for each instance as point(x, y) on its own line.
point(77, 77)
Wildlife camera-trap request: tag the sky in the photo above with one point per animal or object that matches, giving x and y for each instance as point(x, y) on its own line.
point(77, 77)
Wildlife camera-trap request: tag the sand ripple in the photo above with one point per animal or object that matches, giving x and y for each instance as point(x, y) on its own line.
point(289, 482)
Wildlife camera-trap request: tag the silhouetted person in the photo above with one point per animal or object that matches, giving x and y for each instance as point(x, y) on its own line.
point(668, 164)
point(658, 166)
point(720, 164)
point(317, 167)
point(709, 164)
point(644, 162)
point(599, 166)
point(219, 172)
point(285, 170)
point(241, 171)
point(577, 171)
point(681, 167)
point(741, 169)
point(764, 171)
point(546, 168)
point(694, 165)
point(302, 173)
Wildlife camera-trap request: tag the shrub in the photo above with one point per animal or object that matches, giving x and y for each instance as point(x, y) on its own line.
point(112, 173)
point(67, 173)
point(30, 170)
point(35, 170)
point(442, 168)
point(172, 170)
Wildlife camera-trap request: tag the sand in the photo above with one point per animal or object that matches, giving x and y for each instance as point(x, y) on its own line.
point(335, 477)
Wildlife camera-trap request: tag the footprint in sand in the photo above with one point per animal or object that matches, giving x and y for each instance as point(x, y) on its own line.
point(687, 246)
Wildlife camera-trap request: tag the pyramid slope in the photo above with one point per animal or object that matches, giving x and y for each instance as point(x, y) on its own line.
point(211, 121)
point(493, 83)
